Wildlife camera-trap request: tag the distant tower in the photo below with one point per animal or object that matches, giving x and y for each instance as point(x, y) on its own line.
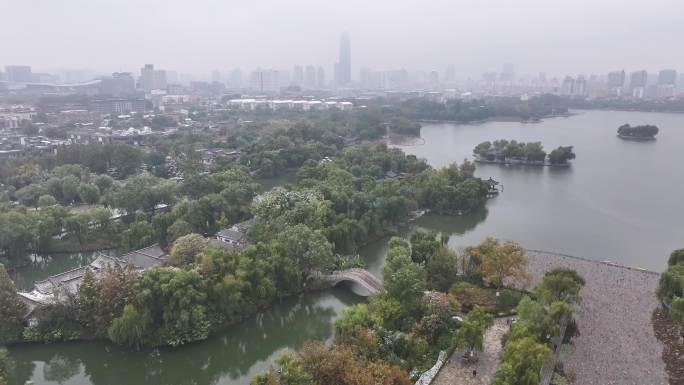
point(343, 66)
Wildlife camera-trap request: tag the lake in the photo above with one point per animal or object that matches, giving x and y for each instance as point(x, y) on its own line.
point(619, 201)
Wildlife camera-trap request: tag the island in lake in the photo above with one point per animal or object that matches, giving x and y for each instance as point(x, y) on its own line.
point(513, 152)
point(643, 132)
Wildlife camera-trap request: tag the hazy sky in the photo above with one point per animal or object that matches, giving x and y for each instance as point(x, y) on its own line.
point(556, 36)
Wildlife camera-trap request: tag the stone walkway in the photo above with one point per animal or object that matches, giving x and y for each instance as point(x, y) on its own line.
point(455, 371)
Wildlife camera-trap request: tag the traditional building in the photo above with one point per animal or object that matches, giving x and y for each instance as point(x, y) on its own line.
point(63, 287)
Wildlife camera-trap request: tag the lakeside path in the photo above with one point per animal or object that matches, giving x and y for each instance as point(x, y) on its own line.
point(617, 344)
point(456, 371)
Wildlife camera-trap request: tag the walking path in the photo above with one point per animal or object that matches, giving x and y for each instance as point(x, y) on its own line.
point(455, 371)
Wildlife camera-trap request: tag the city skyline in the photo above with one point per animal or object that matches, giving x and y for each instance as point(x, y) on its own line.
point(428, 36)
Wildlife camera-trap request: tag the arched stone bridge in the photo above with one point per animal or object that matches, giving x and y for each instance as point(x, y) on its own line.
point(360, 277)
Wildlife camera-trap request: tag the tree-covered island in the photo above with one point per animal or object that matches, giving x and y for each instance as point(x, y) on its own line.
point(642, 132)
point(513, 152)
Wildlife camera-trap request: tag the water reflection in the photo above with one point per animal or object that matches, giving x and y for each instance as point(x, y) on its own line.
point(232, 357)
point(45, 265)
point(374, 253)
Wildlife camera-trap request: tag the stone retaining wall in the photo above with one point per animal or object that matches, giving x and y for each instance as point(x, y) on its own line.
point(427, 377)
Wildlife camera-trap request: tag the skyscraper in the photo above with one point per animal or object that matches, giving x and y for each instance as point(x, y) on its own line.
point(146, 81)
point(320, 77)
point(343, 66)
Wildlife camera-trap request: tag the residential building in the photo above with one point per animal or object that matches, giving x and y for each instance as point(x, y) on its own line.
point(118, 106)
point(18, 73)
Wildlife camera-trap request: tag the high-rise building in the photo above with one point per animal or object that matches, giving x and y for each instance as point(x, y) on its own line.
point(616, 79)
point(507, 73)
point(343, 66)
point(264, 80)
point(119, 84)
point(146, 81)
point(581, 86)
point(171, 76)
point(320, 77)
point(298, 75)
point(542, 77)
point(20, 74)
point(216, 76)
point(450, 74)
point(398, 79)
point(310, 76)
point(637, 83)
point(159, 82)
point(667, 77)
point(433, 79)
point(568, 87)
point(235, 78)
point(373, 80)
point(638, 79)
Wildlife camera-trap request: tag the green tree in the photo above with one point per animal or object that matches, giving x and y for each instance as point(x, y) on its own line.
point(69, 188)
point(133, 328)
point(469, 336)
point(28, 195)
point(187, 248)
point(676, 257)
point(308, 249)
point(442, 269)
point(103, 182)
point(178, 229)
point(46, 201)
point(88, 193)
point(354, 322)
point(470, 333)
point(522, 362)
point(6, 366)
point(78, 226)
point(423, 245)
point(88, 300)
point(15, 235)
point(560, 284)
point(12, 309)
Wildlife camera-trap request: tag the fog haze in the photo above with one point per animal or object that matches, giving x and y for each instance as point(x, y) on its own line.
point(558, 37)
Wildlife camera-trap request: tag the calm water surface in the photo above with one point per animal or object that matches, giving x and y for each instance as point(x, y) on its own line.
point(621, 201)
point(231, 357)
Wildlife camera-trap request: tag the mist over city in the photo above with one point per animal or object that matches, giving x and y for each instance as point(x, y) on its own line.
point(475, 192)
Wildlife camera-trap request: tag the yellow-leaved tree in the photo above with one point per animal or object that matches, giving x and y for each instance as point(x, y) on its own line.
point(500, 261)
